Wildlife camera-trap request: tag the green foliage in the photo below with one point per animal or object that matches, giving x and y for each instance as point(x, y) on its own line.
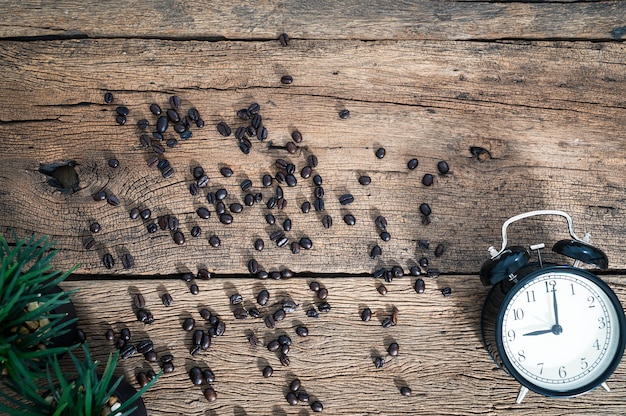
point(82, 393)
point(26, 279)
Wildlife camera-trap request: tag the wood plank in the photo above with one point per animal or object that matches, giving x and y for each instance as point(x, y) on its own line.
point(550, 114)
point(372, 20)
point(441, 355)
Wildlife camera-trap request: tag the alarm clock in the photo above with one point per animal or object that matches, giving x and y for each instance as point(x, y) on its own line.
point(559, 330)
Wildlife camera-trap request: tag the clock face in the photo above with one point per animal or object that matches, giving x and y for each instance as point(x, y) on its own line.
point(561, 331)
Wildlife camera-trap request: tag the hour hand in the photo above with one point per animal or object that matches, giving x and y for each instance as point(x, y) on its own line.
point(543, 331)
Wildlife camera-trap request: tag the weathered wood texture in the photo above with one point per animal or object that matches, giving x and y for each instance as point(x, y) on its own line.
point(373, 20)
point(441, 355)
point(550, 114)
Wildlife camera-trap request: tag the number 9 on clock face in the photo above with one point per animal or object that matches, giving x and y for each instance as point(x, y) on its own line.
point(560, 331)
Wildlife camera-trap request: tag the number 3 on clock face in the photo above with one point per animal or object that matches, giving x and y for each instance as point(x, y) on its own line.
point(560, 331)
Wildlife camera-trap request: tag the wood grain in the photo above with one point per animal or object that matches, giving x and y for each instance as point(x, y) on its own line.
point(441, 355)
point(549, 114)
point(368, 20)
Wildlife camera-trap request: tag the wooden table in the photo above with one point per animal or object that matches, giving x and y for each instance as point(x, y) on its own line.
point(525, 101)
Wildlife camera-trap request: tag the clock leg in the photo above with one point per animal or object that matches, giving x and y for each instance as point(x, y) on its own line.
point(605, 386)
point(522, 393)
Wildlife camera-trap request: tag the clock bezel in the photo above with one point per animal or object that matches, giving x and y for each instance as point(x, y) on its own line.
point(534, 273)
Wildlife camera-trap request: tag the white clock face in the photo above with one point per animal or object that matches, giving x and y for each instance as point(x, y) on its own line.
point(560, 331)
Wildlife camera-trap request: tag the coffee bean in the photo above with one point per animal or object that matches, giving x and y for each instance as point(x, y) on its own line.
point(405, 391)
point(346, 199)
point(155, 109)
point(236, 299)
point(198, 172)
point(287, 225)
point(366, 315)
point(243, 114)
point(284, 39)
point(312, 313)
point(296, 136)
point(214, 241)
point(113, 200)
point(389, 276)
point(279, 315)
point(322, 293)
point(139, 301)
point(144, 346)
point(240, 313)
point(196, 231)
point(203, 213)
point(224, 129)
point(125, 334)
point(305, 173)
point(203, 181)
point(268, 371)
point(122, 111)
point(167, 172)
point(109, 335)
point(163, 163)
point(291, 180)
point(365, 180)
point(152, 357)
point(380, 152)
point(286, 79)
point(248, 200)
point(269, 322)
point(382, 290)
point(195, 374)
point(144, 140)
point(385, 236)
point(295, 247)
point(284, 340)
point(220, 208)
point(151, 227)
point(425, 209)
point(381, 223)
point(446, 291)
point(318, 204)
point(312, 161)
point(327, 221)
point(162, 124)
point(393, 349)
point(173, 115)
point(172, 222)
point(317, 406)
point(178, 238)
point(89, 243)
point(412, 164)
point(387, 323)
point(127, 351)
point(221, 194)
point(193, 289)
point(145, 214)
point(280, 177)
point(291, 147)
point(167, 300)
point(423, 262)
point(188, 324)
point(108, 97)
point(284, 360)
point(259, 244)
point(171, 143)
point(253, 266)
point(302, 331)
point(108, 261)
point(256, 121)
point(305, 207)
point(317, 180)
point(324, 307)
point(226, 218)
point(292, 399)
point(263, 297)
point(175, 101)
point(114, 163)
point(262, 133)
point(318, 192)
point(194, 189)
point(306, 243)
point(273, 346)
point(375, 252)
point(344, 114)
point(439, 250)
point(246, 185)
point(168, 367)
point(271, 203)
point(443, 167)
point(427, 179)
point(235, 207)
point(397, 271)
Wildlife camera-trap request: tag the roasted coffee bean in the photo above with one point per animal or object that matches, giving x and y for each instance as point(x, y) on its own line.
point(171, 143)
point(349, 219)
point(109, 335)
point(224, 129)
point(139, 301)
point(262, 133)
point(318, 192)
point(268, 371)
point(226, 218)
point(108, 261)
point(324, 307)
point(415, 271)
point(327, 221)
point(318, 204)
point(167, 300)
point(289, 306)
point(157, 136)
point(259, 244)
point(163, 163)
point(167, 172)
point(254, 340)
point(254, 312)
point(195, 375)
point(108, 97)
point(382, 289)
point(389, 276)
point(89, 243)
point(439, 250)
point(365, 180)
point(152, 357)
point(346, 199)
point(385, 236)
point(122, 111)
point(114, 163)
point(267, 180)
point(179, 128)
point(427, 179)
point(425, 209)
point(397, 271)
point(263, 297)
point(380, 273)
point(381, 223)
point(343, 114)
point(221, 194)
point(280, 177)
point(208, 376)
point(179, 238)
point(287, 225)
point(305, 173)
point(166, 358)
point(119, 343)
point(220, 208)
point(193, 114)
point(205, 314)
point(145, 214)
point(113, 200)
point(291, 180)
point(322, 293)
point(292, 399)
point(284, 340)
point(240, 313)
point(253, 266)
point(246, 184)
point(162, 124)
point(175, 102)
point(194, 189)
point(281, 163)
point(236, 299)
point(366, 315)
point(127, 351)
point(256, 121)
point(276, 235)
point(155, 109)
point(235, 207)
point(125, 334)
point(423, 262)
point(143, 316)
point(387, 323)
point(172, 115)
point(243, 114)
point(283, 241)
point(258, 197)
point(279, 315)
point(306, 243)
point(273, 345)
point(375, 252)
point(302, 331)
point(305, 207)
point(284, 360)
point(214, 241)
point(312, 161)
point(152, 227)
point(446, 291)
point(144, 140)
point(203, 213)
point(203, 274)
point(286, 79)
point(197, 336)
point(248, 200)
point(317, 180)
point(443, 167)
point(168, 367)
point(196, 231)
point(262, 274)
point(198, 172)
point(317, 406)
point(144, 346)
point(269, 322)
point(412, 164)
point(284, 39)
point(380, 152)
point(312, 313)
point(405, 391)
point(296, 136)
point(295, 247)
point(275, 275)
point(193, 289)
point(393, 349)
point(203, 181)
point(291, 147)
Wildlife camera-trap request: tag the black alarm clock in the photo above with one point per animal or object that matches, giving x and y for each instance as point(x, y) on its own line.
point(559, 330)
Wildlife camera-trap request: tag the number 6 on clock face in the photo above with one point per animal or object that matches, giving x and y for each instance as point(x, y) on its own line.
point(560, 331)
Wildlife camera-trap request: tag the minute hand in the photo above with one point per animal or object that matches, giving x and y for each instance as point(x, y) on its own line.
point(556, 309)
point(543, 331)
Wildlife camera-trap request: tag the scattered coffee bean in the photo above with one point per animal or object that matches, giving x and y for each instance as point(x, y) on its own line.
point(178, 238)
point(144, 346)
point(108, 97)
point(427, 179)
point(314, 286)
point(214, 241)
point(203, 213)
point(324, 307)
point(114, 163)
point(196, 231)
point(197, 336)
point(312, 313)
point(439, 250)
point(446, 291)
point(236, 299)
point(318, 204)
point(291, 147)
point(259, 244)
point(151, 227)
point(127, 351)
point(152, 357)
point(295, 247)
point(305, 207)
point(162, 124)
point(268, 371)
point(365, 180)
point(291, 180)
point(224, 129)
point(412, 164)
point(423, 262)
point(387, 323)
point(113, 200)
point(253, 266)
point(284, 39)
point(198, 172)
point(168, 367)
point(109, 335)
point(302, 331)
point(155, 109)
point(193, 289)
point(254, 312)
point(380, 152)
point(188, 324)
point(139, 301)
point(125, 334)
point(343, 114)
point(375, 252)
point(349, 219)
point(122, 111)
point(226, 218)
point(385, 236)
point(327, 221)
point(382, 289)
point(235, 207)
point(305, 173)
point(240, 313)
point(443, 167)
point(292, 399)
point(306, 243)
point(263, 297)
point(317, 180)
point(393, 349)
point(143, 124)
point(289, 306)
point(405, 391)
point(346, 199)
point(195, 374)
point(269, 322)
point(175, 102)
point(317, 406)
point(322, 293)
point(279, 315)
point(167, 300)
point(273, 345)
point(415, 271)
point(89, 243)
point(286, 79)
point(108, 261)
point(366, 315)
point(381, 223)
point(284, 360)
point(425, 209)
point(194, 189)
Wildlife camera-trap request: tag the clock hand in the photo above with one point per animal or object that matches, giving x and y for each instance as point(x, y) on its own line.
point(556, 309)
point(543, 331)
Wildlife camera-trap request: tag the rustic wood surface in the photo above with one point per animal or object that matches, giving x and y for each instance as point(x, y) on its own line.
point(538, 86)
